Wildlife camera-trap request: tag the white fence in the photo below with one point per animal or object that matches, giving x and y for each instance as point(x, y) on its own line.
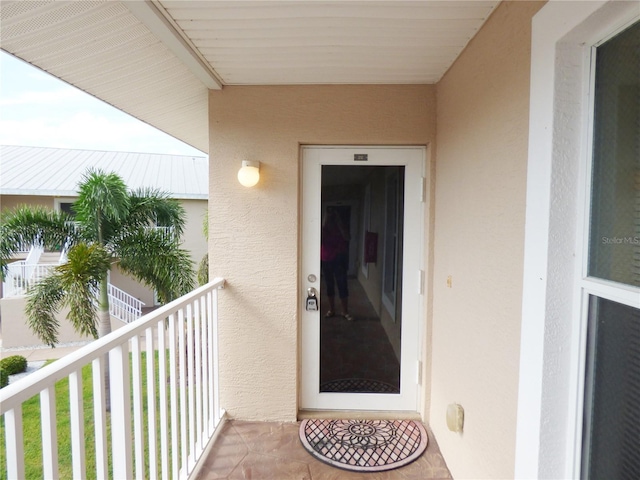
point(22, 275)
point(123, 306)
point(163, 373)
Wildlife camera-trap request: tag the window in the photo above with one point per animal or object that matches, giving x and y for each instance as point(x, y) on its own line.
point(611, 417)
point(64, 205)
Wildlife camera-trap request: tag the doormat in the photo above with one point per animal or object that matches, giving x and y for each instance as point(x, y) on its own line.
point(364, 445)
point(358, 385)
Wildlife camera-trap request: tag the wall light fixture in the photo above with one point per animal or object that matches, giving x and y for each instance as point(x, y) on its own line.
point(249, 174)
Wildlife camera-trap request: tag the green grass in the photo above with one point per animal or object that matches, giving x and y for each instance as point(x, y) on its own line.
point(33, 439)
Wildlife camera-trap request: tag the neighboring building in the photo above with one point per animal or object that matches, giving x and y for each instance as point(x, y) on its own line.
point(50, 176)
point(504, 275)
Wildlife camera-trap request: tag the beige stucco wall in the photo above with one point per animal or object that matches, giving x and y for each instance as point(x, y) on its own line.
point(16, 333)
point(193, 239)
point(479, 241)
point(12, 201)
point(253, 233)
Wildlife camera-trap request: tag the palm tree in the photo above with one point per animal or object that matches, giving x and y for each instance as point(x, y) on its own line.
point(112, 226)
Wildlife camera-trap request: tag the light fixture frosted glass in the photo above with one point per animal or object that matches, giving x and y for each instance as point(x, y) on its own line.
point(249, 174)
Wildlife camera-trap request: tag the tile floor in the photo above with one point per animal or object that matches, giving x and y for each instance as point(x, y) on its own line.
point(272, 451)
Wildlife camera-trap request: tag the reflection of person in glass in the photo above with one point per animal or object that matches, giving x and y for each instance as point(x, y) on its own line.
point(334, 254)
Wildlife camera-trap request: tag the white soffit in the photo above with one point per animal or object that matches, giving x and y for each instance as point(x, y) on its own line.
point(329, 42)
point(101, 48)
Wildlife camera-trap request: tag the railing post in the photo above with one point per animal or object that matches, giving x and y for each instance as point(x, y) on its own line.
point(76, 414)
point(198, 374)
point(14, 443)
point(173, 368)
point(138, 424)
point(120, 412)
point(216, 367)
point(151, 405)
point(49, 432)
point(99, 416)
point(162, 387)
point(191, 387)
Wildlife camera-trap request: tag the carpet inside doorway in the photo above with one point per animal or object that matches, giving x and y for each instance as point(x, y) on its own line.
point(364, 445)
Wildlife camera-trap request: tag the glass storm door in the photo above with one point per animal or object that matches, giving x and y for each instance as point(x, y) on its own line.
point(362, 217)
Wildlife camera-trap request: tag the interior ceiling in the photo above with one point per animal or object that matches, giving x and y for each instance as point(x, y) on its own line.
point(157, 59)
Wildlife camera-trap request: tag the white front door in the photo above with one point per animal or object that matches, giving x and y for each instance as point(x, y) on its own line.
point(368, 359)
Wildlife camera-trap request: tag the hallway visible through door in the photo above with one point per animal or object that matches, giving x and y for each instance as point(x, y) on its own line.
point(361, 322)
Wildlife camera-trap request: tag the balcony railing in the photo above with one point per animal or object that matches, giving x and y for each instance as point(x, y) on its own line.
point(123, 306)
point(22, 275)
point(162, 372)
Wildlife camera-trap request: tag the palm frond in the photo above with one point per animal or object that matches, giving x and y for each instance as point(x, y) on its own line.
point(103, 202)
point(73, 284)
point(158, 262)
point(152, 207)
point(34, 225)
point(43, 303)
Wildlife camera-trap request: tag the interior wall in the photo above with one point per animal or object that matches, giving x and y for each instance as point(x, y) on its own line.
point(254, 233)
point(372, 284)
point(481, 161)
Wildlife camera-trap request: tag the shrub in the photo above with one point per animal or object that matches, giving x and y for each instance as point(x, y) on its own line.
point(4, 378)
point(14, 364)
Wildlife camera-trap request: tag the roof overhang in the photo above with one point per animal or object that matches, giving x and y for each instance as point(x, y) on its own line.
point(158, 59)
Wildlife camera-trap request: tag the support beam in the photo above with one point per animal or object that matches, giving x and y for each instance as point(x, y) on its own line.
point(160, 23)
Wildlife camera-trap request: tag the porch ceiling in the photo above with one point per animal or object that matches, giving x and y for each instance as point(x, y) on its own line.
point(156, 59)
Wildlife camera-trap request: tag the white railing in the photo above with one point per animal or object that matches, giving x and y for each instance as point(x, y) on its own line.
point(163, 374)
point(167, 232)
point(123, 306)
point(22, 275)
point(34, 255)
point(23, 247)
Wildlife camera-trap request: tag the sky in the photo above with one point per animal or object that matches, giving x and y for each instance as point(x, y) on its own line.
point(38, 110)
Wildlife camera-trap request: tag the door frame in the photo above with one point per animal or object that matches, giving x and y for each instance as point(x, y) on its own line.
point(413, 158)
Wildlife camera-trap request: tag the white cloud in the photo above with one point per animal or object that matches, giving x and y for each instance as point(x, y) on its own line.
point(84, 130)
point(52, 97)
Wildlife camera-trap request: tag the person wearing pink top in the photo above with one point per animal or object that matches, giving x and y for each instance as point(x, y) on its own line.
point(334, 255)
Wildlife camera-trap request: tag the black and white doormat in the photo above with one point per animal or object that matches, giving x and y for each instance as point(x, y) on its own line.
point(364, 445)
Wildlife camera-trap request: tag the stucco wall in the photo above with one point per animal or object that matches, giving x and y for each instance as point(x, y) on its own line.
point(12, 201)
point(15, 331)
point(193, 239)
point(253, 233)
point(481, 161)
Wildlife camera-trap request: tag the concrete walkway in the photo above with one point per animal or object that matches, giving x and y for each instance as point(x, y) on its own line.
point(35, 354)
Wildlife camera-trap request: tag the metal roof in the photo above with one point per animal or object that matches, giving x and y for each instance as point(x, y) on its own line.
point(57, 172)
point(157, 59)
